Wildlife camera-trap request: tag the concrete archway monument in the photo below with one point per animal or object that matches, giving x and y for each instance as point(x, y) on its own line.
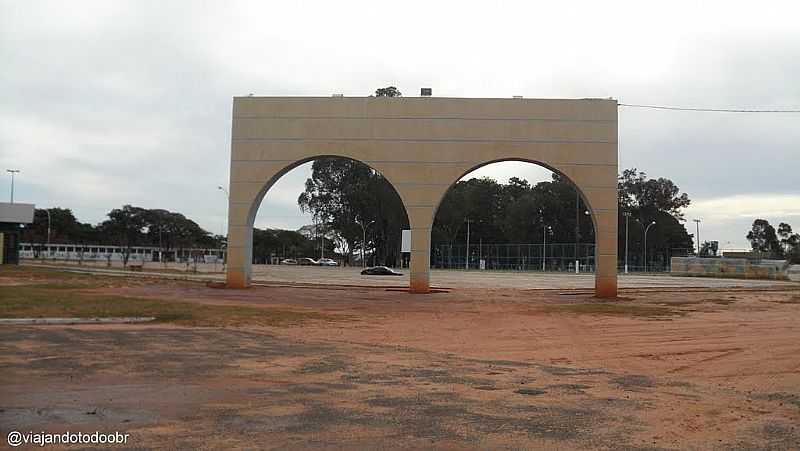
point(422, 146)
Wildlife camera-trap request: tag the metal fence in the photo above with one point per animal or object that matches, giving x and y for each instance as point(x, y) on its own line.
point(550, 257)
point(658, 260)
point(514, 257)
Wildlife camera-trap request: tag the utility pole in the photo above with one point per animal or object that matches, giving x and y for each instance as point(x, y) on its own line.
point(627, 215)
point(697, 223)
point(466, 264)
point(645, 243)
point(12, 172)
point(47, 210)
point(364, 241)
point(545, 229)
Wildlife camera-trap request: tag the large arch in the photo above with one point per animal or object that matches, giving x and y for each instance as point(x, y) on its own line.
point(423, 146)
point(550, 167)
point(257, 200)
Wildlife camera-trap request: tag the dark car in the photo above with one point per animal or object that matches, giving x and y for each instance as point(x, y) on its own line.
point(305, 261)
point(380, 271)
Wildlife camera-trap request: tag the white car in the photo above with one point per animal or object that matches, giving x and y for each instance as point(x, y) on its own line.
point(327, 262)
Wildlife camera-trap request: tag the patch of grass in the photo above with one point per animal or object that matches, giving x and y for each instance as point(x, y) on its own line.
point(37, 302)
point(51, 278)
point(607, 308)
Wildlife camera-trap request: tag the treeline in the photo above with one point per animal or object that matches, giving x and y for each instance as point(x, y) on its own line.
point(780, 244)
point(518, 212)
point(127, 227)
point(131, 226)
point(343, 195)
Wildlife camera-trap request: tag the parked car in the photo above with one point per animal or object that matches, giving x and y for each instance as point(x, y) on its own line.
point(380, 271)
point(327, 262)
point(305, 261)
point(288, 261)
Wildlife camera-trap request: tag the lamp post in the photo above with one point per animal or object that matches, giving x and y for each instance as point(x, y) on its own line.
point(697, 223)
point(577, 228)
point(12, 172)
point(364, 241)
point(47, 210)
point(577, 240)
point(645, 243)
point(468, 221)
point(627, 215)
point(544, 244)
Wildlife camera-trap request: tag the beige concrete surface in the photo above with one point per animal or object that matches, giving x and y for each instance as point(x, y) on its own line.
point(423, 146)
point(312, 275)
point(492, 279)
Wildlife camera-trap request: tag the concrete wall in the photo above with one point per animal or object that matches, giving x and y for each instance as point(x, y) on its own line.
point(730, 267)
point(423, 146)
point(794, 273)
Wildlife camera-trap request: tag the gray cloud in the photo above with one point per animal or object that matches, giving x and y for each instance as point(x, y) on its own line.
point(111, 103)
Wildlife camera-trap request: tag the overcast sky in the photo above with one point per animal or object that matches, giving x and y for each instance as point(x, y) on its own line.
point(111, 103)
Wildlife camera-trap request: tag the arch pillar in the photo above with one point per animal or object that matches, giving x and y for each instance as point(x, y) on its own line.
point(420, 277)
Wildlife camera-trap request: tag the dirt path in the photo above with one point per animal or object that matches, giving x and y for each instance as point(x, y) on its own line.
point(473, 368)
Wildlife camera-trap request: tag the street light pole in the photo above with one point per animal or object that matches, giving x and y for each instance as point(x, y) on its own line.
point(466, 264)
point(645, 243)
point(12, 172)
point(47, 210)
point(627, 215)
point(364, 241)
point(545, 229)
point(697, 223)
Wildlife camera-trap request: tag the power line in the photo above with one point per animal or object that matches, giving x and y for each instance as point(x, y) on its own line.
point(713, 110)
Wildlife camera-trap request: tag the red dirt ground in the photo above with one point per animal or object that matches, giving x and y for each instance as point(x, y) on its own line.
point(465, 369)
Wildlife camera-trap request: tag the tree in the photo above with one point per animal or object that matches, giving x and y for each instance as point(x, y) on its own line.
point(763, 238)
point(790, 242)
point(126, 225)
point(709, 248)
point(343, 193)
point(389, 91)
point(64, 228)
point(638, 193)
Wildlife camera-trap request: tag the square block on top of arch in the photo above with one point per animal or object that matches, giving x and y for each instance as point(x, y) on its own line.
point(605, 287)
point(240, 235)
point(606, 266)
point(606, 221)
point(489, 129)
point(298, 106)
point(606, 242)
point(419, 194)
point(313, 128)
point(258, 171)
point(421, 172)
point(590, 175)
point(239, 213)
point(420, 257)
point(600, 198)
point(420, 216)
point(554, 109)
point(420, 240)
point(245, 191)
